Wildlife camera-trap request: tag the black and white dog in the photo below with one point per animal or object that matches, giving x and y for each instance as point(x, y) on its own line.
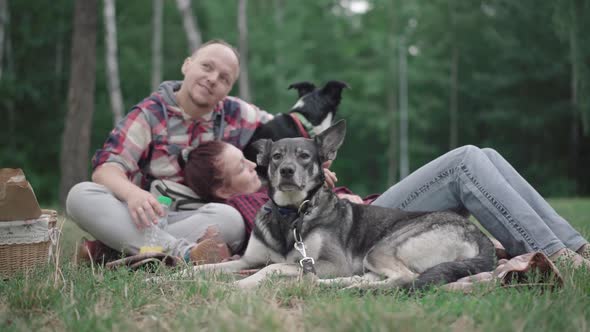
point(305, 224)
point(313, 113)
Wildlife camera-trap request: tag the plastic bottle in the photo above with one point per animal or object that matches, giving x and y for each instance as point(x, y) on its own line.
point(151, 233)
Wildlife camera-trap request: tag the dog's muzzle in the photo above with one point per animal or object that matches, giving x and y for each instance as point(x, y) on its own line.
point(287, 179)
point(287, 171)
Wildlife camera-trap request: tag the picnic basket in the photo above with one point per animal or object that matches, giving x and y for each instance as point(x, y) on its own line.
point(19, 257)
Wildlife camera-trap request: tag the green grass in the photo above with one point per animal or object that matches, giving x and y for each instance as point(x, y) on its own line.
point(78, 298)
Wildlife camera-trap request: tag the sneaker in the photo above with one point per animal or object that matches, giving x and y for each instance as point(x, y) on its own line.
point(585, 251)
point(95, 251)
point(567, 257)
point(209, 251)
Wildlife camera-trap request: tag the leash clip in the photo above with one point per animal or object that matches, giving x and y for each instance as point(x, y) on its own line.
point(307, 263)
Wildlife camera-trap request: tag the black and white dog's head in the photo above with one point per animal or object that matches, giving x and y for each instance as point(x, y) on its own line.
point(318, 106)
point(295, 164)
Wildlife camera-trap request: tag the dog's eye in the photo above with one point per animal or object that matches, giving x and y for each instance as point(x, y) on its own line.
point(304, 155)
point(277, 156)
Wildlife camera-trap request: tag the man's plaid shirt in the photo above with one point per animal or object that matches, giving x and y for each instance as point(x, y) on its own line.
point(147, 143)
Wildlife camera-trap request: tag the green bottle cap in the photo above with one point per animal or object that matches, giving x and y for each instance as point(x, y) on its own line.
point(165, 200)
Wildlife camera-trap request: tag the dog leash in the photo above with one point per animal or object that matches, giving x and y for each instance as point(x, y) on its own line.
point(307, 262)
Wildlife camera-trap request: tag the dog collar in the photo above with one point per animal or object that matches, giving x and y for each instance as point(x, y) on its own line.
point(282, 210)
point(305, 127)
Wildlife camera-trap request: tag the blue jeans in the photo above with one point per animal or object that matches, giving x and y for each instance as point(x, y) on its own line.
point(482, 182)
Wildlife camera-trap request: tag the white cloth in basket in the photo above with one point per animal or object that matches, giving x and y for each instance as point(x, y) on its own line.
point(25, 231)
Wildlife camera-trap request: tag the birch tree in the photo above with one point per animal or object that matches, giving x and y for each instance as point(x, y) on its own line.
point(157, 43)
point(190, 23)
point(76, 134)
point(114, 85)
point(243, 47)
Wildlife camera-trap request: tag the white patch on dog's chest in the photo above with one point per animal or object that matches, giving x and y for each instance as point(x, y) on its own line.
point(324, 125)
point(283, 198)
point(313, 245)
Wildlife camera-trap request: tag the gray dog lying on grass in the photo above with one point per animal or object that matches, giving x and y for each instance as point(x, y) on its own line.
point(305, 225)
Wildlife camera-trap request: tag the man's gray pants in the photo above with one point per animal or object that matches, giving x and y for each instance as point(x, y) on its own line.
point(97, 211)
point(482, 182)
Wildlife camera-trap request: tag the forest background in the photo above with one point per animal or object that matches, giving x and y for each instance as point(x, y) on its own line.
point(425, 77)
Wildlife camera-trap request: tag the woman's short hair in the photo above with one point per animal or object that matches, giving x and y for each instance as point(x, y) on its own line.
point(203, 171)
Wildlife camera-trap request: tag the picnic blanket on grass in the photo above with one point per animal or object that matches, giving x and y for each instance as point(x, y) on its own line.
point(509, 272)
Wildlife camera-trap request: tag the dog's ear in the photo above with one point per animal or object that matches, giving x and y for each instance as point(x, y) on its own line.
point(334, 89)
point(330, 140)
point(303, 88)
point(263, 147)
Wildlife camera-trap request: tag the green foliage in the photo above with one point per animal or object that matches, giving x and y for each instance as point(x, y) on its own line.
point(514, 78)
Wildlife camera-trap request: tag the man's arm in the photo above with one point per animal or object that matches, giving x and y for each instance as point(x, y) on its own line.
point(143, 207)
point(117, 161)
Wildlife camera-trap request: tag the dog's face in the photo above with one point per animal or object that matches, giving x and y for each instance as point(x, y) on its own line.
point(316, 104)
point(295, 164)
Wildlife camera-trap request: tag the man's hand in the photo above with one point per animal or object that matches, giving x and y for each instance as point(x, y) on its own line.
point(144, 208)
point(330, 176)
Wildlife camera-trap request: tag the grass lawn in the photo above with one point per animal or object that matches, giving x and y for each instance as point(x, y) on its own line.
point(80, 298)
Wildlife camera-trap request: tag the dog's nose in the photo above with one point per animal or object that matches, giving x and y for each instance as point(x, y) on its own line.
point(287, 171)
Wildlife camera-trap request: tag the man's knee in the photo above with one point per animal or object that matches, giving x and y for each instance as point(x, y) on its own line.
point(491, 153)
point(467, 149)
point(76, 196)
point(470, 153)
point(82, 196)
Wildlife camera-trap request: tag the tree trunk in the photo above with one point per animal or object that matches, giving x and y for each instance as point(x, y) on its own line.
point(575, 61)
point(453, 105)
point(404, 159)
point(392, 159)
point(3, 26)
point(280, 80)
point(453, 78)
point(111, 59)
point(190, 23)
point(243, 47)
point(157, 44)
point(9, 60)
point(76, 135)
point(5, 64)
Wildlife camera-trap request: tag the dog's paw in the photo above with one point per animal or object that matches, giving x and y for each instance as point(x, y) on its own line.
point(245, 284)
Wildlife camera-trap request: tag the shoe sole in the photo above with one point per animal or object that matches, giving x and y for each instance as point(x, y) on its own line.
point(209, 251)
